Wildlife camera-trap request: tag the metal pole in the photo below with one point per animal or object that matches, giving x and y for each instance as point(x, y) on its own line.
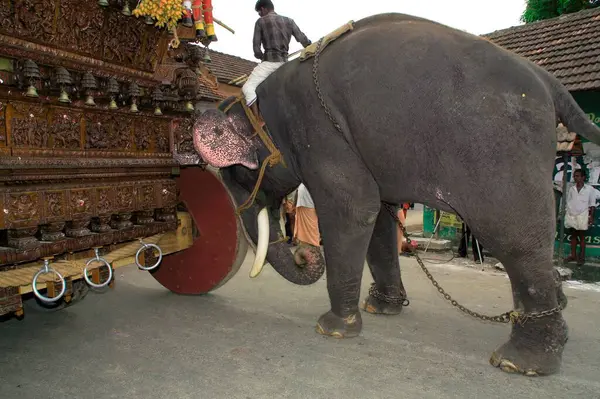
point(563, 211)
point(434, 232)
point(479, 251)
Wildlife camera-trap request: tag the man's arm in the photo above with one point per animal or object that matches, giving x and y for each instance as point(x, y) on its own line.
point(299, 35)
point(256, 40)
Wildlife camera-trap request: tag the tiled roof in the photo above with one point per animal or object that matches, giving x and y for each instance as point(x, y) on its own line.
point(568, 46)
point(227, 67)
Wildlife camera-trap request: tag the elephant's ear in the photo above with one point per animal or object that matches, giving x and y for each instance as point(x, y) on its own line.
point(220, 143)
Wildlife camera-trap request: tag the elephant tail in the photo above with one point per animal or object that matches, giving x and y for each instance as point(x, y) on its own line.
point(569, 112)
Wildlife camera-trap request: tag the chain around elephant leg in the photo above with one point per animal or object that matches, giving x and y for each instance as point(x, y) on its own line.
point(511, 316)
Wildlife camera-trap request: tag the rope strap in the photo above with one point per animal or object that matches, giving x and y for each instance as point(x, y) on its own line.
point(273, 159)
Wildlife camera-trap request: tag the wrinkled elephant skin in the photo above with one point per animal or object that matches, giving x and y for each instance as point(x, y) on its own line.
point(427, 114)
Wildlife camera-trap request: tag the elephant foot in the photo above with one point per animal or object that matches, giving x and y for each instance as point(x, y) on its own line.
point(376, 306)
point(534, 349)
point(339, 327)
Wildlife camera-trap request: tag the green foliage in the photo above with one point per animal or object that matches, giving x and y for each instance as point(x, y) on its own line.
point(537, 10)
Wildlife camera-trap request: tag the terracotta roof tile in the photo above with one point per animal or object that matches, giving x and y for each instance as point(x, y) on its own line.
point(227, 67)
point(568, 46)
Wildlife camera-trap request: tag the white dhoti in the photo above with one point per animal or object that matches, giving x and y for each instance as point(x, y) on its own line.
point(577, 222)
point(258, 75)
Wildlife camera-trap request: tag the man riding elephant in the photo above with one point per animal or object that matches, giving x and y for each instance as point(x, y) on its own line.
point(402, 109)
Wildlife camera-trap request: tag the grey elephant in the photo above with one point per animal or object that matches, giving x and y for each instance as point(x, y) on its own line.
point(403, 109)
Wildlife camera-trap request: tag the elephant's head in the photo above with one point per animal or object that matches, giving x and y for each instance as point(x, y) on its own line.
point(227, 141)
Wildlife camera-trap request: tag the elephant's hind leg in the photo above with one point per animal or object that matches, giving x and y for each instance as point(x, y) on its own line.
point(524, 244)
point(382, 257)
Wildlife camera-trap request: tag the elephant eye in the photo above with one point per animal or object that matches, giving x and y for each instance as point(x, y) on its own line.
point(218, 131)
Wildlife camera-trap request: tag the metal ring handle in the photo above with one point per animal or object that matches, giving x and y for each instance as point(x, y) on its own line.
point(85, 272)
point(139, 251)
point(41, 297)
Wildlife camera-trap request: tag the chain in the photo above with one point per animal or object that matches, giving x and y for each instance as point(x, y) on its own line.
point(318, 87)
point(397, 300)
point(511, 316)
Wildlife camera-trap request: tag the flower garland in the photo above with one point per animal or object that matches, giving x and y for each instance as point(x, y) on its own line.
point(165, 12)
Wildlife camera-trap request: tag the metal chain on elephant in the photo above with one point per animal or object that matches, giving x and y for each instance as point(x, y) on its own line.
point(512, 316)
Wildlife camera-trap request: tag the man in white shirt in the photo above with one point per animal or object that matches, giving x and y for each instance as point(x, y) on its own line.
point(581, 203)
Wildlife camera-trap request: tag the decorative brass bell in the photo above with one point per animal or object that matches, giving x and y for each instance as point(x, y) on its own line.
point(206, 58)
point(32, 91)
point(189, 107)
point(126, 10)
point(64, 97)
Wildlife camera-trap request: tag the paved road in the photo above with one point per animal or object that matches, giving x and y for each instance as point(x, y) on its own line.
point(255, 339)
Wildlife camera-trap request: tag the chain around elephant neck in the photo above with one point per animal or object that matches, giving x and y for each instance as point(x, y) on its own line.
point(318, 86)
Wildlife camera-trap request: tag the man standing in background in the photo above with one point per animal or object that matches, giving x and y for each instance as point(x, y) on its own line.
point(306, 225)
point(581, 203)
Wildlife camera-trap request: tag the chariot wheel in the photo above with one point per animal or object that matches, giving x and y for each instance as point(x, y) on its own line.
point(219, 246)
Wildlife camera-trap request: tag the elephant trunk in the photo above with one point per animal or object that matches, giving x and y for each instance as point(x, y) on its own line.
point(303, 268)
point(262, 231)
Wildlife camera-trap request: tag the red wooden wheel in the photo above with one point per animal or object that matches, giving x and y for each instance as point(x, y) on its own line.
point(219, 245)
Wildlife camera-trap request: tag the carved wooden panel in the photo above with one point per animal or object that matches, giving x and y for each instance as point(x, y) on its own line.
point(182, 132)
point(168, 194)
point(80, 27)
point(146, 197)
point(106, 131)
point(105, 200)
point(22, 209)
point(125, 199)
point(55, 206)
point(85, 28)
point(152, 135)
point(31, 206)
point(82, 203)
point(64, 131)
point(28, 124)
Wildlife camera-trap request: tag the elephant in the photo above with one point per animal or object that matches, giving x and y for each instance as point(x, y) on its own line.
point(404, 109)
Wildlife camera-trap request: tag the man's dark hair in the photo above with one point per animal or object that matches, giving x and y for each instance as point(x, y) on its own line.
point(583, 174)
point(268, 4)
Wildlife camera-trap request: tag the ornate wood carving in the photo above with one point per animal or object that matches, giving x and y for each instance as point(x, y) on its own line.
point(28, 124)
point(182, 132)
point(108, 132)
point(64, 130)
point(31, 206)
point(12, 256)
point(80, 27)
point(22, 209)
point(55, 205)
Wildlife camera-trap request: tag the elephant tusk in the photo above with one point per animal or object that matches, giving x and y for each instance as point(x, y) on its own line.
point(263, 243)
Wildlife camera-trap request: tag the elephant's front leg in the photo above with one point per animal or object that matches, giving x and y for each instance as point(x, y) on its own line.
point(347, 206)
point(387, 295)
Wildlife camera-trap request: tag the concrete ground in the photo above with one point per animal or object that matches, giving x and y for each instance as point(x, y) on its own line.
point(256, 339)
